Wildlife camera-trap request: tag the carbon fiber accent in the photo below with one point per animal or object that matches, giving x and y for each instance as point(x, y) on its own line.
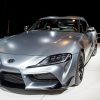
point(43, 77)
point(12, 77)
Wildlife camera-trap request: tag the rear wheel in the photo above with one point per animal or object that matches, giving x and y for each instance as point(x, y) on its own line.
point(80, 69)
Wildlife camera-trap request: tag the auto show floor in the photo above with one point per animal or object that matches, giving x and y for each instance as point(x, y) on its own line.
point(89, 89)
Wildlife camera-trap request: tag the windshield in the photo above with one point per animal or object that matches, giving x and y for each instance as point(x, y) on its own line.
point(67, 25)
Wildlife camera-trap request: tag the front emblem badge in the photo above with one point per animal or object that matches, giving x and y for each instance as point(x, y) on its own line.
point(11, 60)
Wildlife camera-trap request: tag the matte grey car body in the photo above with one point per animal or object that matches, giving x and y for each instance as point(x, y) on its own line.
point(47, 56)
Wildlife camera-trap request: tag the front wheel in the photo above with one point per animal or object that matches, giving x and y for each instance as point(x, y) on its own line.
point(95, 50)
point(80, 69)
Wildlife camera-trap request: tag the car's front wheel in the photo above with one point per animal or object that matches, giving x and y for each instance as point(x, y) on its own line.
point(80, 69)
point(95, 50)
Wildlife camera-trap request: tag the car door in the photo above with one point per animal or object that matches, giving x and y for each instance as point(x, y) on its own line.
point(86, 38)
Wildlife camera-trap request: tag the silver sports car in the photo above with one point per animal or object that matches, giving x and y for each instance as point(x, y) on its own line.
point(49, 55)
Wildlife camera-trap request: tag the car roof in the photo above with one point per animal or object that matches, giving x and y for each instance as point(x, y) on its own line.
point(63, 17)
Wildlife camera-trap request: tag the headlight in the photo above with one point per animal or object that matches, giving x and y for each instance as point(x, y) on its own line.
point(55, 59)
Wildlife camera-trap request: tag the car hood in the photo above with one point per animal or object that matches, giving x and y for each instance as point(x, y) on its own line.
point(38, 43)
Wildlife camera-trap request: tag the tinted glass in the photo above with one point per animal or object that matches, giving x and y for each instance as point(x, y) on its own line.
point(67, 25)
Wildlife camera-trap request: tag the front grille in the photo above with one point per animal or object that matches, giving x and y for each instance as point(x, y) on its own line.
point(43, 77)
point(12, 77)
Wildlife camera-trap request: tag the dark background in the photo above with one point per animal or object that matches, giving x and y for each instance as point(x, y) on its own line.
point(14, 14)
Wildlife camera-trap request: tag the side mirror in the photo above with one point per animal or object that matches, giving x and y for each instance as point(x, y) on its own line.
point(26, 28)
point(89, 29)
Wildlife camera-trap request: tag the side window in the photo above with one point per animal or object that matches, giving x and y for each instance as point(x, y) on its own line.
point(83, 26)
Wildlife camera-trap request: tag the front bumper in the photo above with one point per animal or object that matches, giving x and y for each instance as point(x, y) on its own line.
point(58, 75)
point(37, 84)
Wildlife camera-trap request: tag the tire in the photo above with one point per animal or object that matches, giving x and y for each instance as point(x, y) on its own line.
point(0, 78)
point(80, 69)
point(95, 50)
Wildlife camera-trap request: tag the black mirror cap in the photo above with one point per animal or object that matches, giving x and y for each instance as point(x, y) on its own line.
point(26, 28)
point(90, 29)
